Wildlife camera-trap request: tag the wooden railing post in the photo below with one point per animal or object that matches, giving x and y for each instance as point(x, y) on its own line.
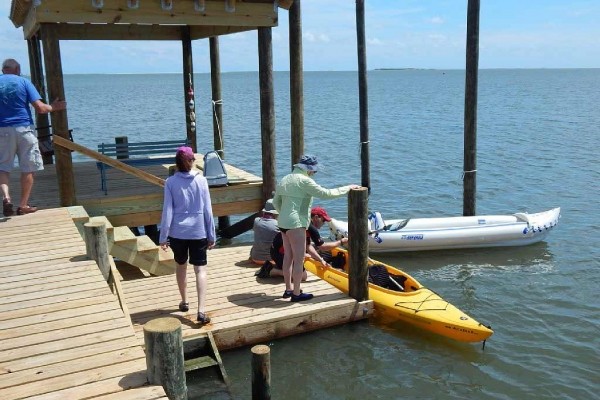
point(96, 246)
point(261, 372)
point(164, 356)
point(358, 245)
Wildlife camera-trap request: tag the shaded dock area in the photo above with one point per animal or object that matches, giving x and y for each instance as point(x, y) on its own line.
point(131, 201)
point(63, 334)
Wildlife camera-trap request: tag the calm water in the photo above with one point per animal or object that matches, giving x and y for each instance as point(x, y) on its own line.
point(537, 144)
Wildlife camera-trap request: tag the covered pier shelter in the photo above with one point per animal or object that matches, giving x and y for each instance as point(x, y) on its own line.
point(138, 201)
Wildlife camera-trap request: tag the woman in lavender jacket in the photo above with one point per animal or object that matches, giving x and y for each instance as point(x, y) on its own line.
point(188, 227)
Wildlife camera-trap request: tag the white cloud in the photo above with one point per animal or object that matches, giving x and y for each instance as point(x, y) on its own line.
point(436, 20)
point(315, 37)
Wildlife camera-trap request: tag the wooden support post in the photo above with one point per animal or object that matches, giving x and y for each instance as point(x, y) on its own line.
point(42, 121)
point(267, 110)
point(358, 244)
point(164, 356)
point(96, 246)
point(217, 104)
point(60, 126)
point(122, 147)
point(215, 83)
point(188, 88)
point(363, 99)
point(296, 81)
point(470, 132)
point(261, 372)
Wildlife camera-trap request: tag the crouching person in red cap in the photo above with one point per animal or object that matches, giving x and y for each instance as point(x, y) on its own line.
point(314, 245)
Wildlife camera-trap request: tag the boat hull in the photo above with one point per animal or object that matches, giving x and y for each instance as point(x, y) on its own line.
point(420, 234)
point(416, 305)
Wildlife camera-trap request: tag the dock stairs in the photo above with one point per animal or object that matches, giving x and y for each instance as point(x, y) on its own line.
point(205, 373)
point(139, 251)
point(204, 370)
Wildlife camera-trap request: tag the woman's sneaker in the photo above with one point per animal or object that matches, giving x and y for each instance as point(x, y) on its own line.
point(203, 319)
point(264, 271)
point(288, 293)
point(301, 297)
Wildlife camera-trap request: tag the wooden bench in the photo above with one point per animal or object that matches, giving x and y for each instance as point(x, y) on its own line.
point(138, 154)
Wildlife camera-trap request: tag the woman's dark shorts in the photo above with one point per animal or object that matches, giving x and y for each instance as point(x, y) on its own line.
point(194, 248)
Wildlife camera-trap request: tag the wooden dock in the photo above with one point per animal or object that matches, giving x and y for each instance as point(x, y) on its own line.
point(63, 334)
point(131, 201)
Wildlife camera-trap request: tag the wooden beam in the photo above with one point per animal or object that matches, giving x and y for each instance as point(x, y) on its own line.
point(189, 105)
point(286, 4)
point(267, 109)
point(140, 32)
point(60, 125)
point(182, 13)
point(296, 82)
point(30, 25)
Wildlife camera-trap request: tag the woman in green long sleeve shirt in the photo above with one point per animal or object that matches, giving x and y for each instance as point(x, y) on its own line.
point(293, 200)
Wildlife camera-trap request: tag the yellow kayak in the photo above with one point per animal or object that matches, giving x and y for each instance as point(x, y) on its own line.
point(405, 299)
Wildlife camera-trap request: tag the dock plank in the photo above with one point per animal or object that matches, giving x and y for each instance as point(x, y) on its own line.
point(63, 334)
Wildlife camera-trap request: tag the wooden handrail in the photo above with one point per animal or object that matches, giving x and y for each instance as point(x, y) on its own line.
point(146, 176)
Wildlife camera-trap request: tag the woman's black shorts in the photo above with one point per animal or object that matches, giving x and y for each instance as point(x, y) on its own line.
point(195, 249)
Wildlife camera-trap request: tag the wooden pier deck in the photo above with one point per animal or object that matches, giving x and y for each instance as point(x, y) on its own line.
point(131, 201)
point(62, 332)
point(64, 336)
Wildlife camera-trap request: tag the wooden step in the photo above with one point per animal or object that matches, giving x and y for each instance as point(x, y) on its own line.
point(78, 213)
point(123, 235)
point(165, 256)
point(144, 244)
point(150, 261)
point(79, 216)
point(199, 363)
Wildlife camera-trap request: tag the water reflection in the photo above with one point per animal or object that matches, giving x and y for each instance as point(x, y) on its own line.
point(499, 257)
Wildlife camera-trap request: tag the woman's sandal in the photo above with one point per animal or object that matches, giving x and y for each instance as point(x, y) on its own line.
point(183, 306)
point(203, 318)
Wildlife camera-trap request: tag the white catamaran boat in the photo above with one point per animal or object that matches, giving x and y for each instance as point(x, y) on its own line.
point(416, 234)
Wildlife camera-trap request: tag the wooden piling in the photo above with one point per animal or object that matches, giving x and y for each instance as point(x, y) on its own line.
point(358, 245)
point(267, 109)
point(96, 246)
point(261, 372)
point(164, 356)
point(470, 128)
point(296, 81)
point(56, 90)
point(188, 88)
point(42, 121)
point(217, 104)
point(363, 97)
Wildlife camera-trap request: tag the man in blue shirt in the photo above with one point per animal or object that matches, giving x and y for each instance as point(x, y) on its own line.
point(17, 134)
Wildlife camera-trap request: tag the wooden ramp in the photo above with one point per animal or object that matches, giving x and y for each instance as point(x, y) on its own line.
point(244, 310)
point(62, 332)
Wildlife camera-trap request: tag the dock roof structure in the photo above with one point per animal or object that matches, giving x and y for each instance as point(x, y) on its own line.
point(144, 19)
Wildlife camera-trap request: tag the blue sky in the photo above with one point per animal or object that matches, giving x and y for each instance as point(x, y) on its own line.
point(400, 34)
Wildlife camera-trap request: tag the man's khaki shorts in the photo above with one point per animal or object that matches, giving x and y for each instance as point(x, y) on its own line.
point(22, 142)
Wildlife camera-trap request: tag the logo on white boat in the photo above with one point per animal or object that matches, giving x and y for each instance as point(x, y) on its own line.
point(412, 237)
